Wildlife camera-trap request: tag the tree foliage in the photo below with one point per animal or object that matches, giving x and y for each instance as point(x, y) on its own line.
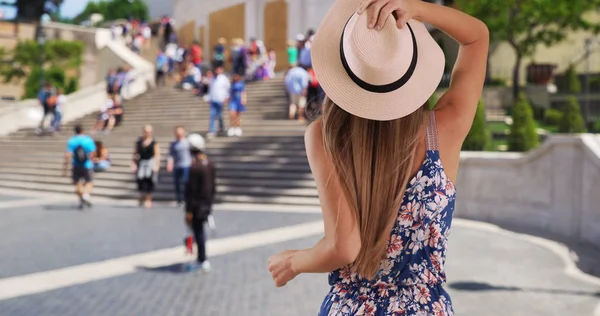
point(573, 82)
point(572, 121)
point(32, 10)
point(114, 10)
point(72, 85)
point(33, 83)
point(523, 132)
point(525, 24)
point(29, 54)
point(479, 135)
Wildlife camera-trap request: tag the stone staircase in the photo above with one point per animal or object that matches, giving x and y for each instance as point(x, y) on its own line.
point(267, 165)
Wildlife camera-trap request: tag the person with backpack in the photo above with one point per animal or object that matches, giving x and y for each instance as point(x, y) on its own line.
point(199, 196)
point(79, 150)
point(44, 97)
point(162, 64)
point(219, 53)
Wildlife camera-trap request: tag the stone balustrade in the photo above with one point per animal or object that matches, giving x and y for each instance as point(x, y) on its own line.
point(109, 54)
point(554, 189)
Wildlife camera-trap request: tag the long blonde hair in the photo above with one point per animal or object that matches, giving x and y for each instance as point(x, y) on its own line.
point(373, 160)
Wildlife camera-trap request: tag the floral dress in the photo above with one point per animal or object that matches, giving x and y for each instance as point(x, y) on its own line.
point(410, 280)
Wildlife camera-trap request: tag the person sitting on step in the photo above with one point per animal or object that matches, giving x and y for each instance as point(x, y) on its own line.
point(104, 116)
point(100, 158)
point(116, 116)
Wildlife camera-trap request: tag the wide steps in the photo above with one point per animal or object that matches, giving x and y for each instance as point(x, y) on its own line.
point(267, 165)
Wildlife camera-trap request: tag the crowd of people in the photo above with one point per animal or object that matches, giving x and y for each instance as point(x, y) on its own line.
point(193, 173)
point(303, 88)
point(186, 68)
point(136, 34)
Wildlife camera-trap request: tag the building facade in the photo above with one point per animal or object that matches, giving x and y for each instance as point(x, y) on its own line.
point(278, 21)
point(273, 21)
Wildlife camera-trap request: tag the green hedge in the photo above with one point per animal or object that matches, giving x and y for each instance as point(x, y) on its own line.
point(33, 83)
point(523, 132)
point(553, 117)
point(72, 85)
point(572, 121)
point(55, 76)
point(478, 138)
point(573, 82)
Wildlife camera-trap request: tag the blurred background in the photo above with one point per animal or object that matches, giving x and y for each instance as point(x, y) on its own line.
point(526, 237)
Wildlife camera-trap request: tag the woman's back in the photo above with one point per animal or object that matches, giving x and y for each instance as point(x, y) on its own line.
point(413, 269)
point(386, 197)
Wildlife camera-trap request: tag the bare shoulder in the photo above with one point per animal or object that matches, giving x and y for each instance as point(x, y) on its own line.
point(315, 148)
point(313, 138)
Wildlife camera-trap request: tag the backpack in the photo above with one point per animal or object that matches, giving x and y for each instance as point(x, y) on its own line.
point(51, 101)
point(80, 155)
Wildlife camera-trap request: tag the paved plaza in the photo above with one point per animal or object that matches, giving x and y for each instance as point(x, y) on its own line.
point(118, 259)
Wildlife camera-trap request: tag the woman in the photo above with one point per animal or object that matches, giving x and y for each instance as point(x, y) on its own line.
point(61, 101)
point(105, 115)
point(116, 116)
point(377, 157)
point(100, 158)
point(146, 163)
point(237, 105)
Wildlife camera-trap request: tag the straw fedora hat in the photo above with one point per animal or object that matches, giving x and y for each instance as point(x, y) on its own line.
point(378, 75)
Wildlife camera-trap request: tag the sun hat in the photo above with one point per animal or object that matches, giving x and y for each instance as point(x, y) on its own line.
point(378, 75)
point(196, 142)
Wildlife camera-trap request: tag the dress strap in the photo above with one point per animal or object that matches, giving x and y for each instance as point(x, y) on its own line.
point(432, 137)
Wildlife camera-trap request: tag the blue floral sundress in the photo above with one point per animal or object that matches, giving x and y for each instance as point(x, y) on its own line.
point(410, 280)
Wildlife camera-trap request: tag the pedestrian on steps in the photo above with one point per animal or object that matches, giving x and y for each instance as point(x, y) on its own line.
point(296, 82)
point(79, 150)
point(162, 67)
point(385, 175)
point(146, 164)
point(218, 92)
point(179, 162)
point(199, 196)
point(237, 106)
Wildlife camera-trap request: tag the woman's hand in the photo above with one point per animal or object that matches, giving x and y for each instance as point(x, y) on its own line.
point(378, 11)
point(134, 167)
point(280, 266)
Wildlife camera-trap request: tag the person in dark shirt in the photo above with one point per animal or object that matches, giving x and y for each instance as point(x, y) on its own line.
point(199, 195)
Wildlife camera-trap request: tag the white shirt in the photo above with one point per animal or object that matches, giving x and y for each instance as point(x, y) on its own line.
point(196, 73)
point(171, 50)
point(60, 100)
point(147, 31)
point(107, 106)
point(180, 52)
point(219, 89)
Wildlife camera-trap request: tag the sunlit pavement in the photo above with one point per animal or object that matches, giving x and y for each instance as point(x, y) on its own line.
point(117, 259)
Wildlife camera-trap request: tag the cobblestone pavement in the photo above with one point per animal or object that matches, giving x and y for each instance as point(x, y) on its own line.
point(488, 273)
point(4, 198)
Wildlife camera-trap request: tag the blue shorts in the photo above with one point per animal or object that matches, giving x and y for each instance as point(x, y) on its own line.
point(236, 107)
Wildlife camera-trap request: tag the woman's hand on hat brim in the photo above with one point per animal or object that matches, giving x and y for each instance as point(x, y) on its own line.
point(379, 11)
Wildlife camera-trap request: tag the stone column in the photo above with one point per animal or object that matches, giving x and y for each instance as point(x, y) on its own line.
point(260, 18)
point(253, 21)
point(296, 17)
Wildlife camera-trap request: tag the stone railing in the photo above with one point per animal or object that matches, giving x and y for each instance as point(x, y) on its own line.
point(27, 113)
point(554, 189)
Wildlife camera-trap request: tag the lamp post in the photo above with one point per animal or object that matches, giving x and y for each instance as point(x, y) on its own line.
point(587, 103)
point(131, 10)
point(41, 39)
